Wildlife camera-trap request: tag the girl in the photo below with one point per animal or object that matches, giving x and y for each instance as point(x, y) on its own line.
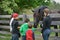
point(46, 24)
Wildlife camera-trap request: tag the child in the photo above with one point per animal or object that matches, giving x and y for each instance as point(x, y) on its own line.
point(30, 33)
point(14, 27)
point(23, 29)
point(46, 24)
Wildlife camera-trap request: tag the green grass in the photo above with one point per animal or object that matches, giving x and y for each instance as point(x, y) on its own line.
point(5, 36)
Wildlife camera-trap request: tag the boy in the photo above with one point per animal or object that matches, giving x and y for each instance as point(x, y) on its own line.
point(15, 26)
point(30, 33)
point(23, 29)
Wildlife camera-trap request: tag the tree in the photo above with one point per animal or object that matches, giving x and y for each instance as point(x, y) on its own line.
point(10, 6)
point(54, 6)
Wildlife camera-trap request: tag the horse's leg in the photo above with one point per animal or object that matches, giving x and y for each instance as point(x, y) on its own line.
point(55, 27)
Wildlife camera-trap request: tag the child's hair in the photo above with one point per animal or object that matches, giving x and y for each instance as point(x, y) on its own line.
point(26, 20)
point(29, 25)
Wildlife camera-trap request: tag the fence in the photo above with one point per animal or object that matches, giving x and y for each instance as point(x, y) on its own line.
point(4, 21)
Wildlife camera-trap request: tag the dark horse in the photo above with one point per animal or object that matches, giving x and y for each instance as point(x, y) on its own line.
point(38, 16)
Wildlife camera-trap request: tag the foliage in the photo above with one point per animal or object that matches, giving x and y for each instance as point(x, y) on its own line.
point(54, 6)
point(10, 6)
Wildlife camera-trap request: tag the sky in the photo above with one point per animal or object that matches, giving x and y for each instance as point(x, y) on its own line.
point(58, 1)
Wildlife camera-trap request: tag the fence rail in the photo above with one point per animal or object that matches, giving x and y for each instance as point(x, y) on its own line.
point(55, 20)
point(20, 16)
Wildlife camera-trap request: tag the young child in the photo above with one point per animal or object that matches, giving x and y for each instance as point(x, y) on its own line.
point(23, 29)
point(14, 27)
point(30, 33)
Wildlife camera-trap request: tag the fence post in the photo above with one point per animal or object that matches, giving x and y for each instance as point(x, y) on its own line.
point(24, 17)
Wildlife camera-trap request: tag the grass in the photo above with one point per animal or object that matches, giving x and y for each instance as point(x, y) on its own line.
point(5, 36)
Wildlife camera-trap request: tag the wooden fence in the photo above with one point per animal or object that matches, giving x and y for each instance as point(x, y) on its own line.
point(4, 20)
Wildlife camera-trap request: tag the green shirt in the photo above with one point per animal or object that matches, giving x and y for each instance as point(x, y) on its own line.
point(24, 28)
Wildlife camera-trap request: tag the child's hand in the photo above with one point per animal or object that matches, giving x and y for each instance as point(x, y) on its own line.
point(18, 27)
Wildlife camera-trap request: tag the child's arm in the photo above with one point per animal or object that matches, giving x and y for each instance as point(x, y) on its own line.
point(33, 29)
point(17, 24)
point(21, 29)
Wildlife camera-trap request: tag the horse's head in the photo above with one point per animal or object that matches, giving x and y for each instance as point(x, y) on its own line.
point(40, 12)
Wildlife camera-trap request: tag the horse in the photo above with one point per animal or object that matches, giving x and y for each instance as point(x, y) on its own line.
point(38, 16)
